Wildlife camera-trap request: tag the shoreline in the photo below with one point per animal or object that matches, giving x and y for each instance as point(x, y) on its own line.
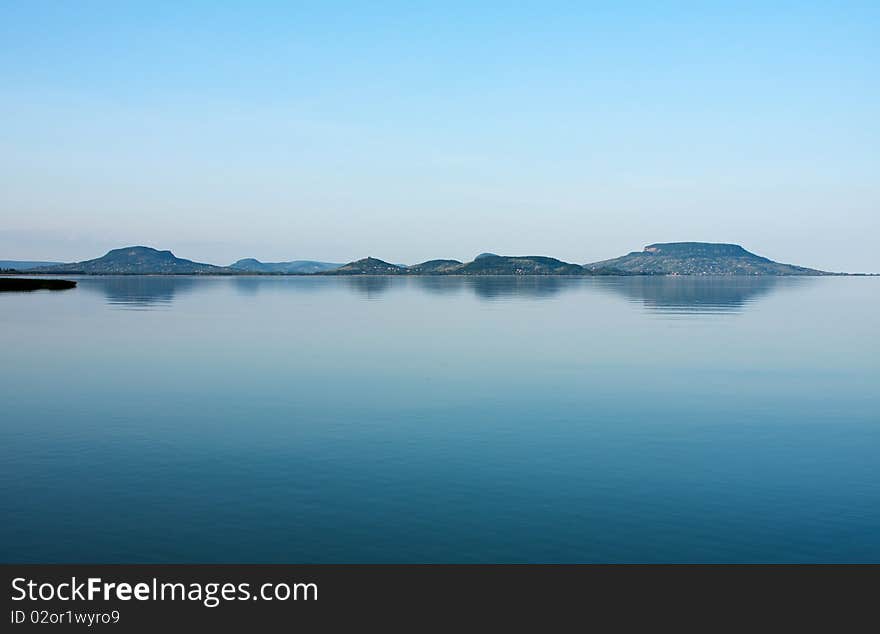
point(18, 274)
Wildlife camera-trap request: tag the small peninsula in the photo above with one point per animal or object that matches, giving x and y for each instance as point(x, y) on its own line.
point(33, 284)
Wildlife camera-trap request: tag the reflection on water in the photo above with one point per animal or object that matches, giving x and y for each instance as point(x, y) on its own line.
point(687, 294)
point(668, 295)
point(370, 286)
point(140, 292)
point(251, 285)
point(439, 284)
point(422, 420)
point(497, 286)
point(532, 286)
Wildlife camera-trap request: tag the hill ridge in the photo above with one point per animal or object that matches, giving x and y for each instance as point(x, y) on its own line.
point(137, 260)
point(659, 258)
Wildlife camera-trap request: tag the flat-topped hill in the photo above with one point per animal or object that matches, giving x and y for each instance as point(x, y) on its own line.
point(698, 258)
point(137, 260)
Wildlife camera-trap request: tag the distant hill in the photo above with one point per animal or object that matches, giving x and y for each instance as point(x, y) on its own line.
point(296, 266)
point(698, 258)
point(434, 267)
point(368, 266)
point(488, 264)
point(483, 264)
point(137, 261)
point(24, 265)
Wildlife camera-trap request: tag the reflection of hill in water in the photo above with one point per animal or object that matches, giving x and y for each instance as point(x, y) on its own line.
point(669, 294)
point(439, 284)
point(372, 286)
point(663, 293)
point(695, 294)
point(251, 285)
point(485, 287)
point(141, 291)
point(529, 286)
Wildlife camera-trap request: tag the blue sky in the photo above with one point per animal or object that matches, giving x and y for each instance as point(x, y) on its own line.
point(410, 131)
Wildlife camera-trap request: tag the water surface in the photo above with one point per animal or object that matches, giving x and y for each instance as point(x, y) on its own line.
point(378, 419)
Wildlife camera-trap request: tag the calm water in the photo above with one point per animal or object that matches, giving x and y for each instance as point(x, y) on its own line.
point(441, 420)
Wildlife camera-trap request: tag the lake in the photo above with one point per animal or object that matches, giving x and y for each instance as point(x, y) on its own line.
point(441, 419)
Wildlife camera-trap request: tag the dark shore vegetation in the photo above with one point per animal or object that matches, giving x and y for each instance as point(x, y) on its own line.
point(34, 284)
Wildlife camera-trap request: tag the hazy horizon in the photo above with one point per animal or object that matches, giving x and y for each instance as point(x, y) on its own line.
point(337, 131)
